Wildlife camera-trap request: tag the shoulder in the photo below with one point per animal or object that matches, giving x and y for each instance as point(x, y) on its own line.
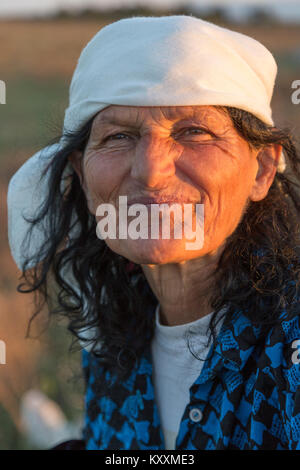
point(282, 348)
point(282, 353)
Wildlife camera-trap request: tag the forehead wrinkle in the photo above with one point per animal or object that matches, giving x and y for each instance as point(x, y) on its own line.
point(134, 116)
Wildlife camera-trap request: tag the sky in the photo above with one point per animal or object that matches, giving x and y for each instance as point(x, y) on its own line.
point(285, 8)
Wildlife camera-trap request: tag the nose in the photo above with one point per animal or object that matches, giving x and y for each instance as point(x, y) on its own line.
point(154, 162)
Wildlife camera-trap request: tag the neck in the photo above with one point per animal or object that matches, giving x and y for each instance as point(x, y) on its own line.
point(183, 289)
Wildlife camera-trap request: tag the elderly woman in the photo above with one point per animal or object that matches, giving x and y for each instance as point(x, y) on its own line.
point(182, 348)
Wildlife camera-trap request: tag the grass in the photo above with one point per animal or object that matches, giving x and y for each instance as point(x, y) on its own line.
point(33, 114)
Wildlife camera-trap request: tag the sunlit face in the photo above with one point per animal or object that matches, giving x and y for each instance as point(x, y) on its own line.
point(184, 154)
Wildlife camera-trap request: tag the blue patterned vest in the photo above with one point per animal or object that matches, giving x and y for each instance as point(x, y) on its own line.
point(247, 395)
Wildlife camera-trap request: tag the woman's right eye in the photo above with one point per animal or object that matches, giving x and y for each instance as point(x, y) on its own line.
point(116, 136)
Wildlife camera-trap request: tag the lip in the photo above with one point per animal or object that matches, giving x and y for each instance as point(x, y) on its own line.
point(150, 201)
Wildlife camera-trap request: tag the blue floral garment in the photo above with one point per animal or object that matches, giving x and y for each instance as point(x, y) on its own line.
point(248, 395)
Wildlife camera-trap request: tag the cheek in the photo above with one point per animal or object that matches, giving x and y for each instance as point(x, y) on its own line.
point(102, 176)
point(225, 180)
point(218, 170)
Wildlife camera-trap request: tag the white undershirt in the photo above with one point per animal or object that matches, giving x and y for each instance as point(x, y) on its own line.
point(175, 369)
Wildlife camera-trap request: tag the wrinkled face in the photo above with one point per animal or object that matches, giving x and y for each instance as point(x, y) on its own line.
point(184, 154)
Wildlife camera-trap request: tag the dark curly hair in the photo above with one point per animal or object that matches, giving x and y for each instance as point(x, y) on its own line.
point(257, 272)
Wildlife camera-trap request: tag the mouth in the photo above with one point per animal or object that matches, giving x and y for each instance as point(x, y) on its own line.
point(159, 200)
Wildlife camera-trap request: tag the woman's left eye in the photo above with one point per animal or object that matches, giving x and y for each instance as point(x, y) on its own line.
point(195, 131)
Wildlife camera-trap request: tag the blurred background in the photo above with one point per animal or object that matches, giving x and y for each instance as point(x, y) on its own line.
point(41, 387)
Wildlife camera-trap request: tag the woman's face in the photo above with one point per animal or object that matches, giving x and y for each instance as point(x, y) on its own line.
point(184, 154)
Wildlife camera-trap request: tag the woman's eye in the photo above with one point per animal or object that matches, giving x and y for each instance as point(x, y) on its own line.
point(195, 131)
point(118, 136)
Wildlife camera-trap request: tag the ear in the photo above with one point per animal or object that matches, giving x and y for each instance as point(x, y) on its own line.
point(267, 159)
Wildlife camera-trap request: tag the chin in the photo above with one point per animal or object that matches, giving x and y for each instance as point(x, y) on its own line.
point(154, 251)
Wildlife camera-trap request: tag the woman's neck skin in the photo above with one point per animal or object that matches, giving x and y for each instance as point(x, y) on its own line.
point(183, 289)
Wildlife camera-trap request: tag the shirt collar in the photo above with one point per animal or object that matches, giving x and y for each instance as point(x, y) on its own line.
point(235, 340)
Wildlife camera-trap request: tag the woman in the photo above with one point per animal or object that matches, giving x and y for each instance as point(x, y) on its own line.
point(182, 348)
